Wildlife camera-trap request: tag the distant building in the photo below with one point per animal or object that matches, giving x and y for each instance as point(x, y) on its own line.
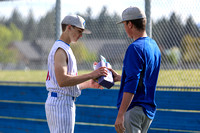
point(34, 55)
point(112, 49)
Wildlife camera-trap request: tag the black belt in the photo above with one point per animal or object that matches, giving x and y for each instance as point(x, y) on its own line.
point(54, 94)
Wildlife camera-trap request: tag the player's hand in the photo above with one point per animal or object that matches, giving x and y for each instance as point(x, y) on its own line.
point(102, 71)
point(119, 124)
point(93, 84)
point(116, 76)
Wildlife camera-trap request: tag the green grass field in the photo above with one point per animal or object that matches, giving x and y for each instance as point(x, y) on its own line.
point(166, 77)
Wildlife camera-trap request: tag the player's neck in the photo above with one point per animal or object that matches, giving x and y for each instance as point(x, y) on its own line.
point(65, 39)
point(139, 34)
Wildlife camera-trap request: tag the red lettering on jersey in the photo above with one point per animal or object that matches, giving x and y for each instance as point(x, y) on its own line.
point(48, 76)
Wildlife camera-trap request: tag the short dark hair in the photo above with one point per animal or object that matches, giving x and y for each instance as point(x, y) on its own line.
point(140, 24)
point(63, 27)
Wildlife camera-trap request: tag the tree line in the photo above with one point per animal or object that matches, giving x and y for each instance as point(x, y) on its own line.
point(103, 26)
point(168, 33)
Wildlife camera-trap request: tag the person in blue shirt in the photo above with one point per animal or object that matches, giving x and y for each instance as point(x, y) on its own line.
point(141, 65)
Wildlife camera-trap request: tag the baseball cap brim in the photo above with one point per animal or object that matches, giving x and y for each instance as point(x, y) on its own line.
point(86, 31)
point(120, 22)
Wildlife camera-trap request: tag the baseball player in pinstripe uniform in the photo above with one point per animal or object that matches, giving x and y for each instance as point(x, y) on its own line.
point(63, 82)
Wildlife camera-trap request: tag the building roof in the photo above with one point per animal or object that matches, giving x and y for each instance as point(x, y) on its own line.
point(26, 48)
point(96, 44)
point(34, 50)
point(45, 44)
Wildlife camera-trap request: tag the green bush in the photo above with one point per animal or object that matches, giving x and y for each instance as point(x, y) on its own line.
point(173, 55)
point(82, 54)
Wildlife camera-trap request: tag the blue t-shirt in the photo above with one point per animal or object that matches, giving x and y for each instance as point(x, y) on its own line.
point(141, 67)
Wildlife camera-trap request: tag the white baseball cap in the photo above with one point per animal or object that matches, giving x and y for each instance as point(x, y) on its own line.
point(132, 13)
point(77, 21)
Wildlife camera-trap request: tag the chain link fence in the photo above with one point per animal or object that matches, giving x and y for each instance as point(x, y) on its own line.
point(25, 41)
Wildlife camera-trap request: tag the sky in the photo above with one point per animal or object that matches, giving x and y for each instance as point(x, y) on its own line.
point(159, 8)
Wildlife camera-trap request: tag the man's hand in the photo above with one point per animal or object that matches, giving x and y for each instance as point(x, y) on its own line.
point(119, 124)
point(126, 100)
point(94, 84)
point(90, 84)
point(116, 76)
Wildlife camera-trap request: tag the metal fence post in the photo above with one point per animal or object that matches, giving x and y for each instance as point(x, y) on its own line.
point(58, 8)
point(148, 15)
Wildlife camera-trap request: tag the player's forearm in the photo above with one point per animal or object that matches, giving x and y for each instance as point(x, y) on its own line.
point(69, 80)
point(127, 98)
point(84, 85)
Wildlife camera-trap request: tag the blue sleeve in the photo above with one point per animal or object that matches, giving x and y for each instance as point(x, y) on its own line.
point(133, 65)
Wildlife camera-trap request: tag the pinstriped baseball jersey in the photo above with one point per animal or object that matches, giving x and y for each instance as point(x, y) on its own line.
point(51, 83)
point(59, 106)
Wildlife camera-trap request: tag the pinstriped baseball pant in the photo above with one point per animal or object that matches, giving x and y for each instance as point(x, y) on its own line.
point(60, 113)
